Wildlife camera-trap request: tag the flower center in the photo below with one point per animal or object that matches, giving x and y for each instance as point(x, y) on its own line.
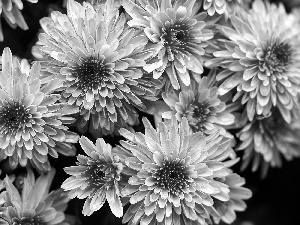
point(197, 115)
point(13, 117)
point(277, 57)
point(27, 221)
point(171, 176)
point(176, 38)
point(101, 173)
point(200, 112)
point(91, 73)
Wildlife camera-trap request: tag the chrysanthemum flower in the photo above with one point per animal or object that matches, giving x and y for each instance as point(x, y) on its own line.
point(10, 10)
point(99, 59)
point(30, 119)
point(265, 139)
point(178, 35)
point(261, 59)
point(201, 105)
point(177, 174)
point(35, 205)
point(96, 177)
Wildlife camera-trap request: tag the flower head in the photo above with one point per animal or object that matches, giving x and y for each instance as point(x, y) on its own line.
point(96, 177)
point(262, 64)
point(177, 174)
point(265, 139)
point(10, 10)
point(34, 205)
point(30, 117)
point(99, 60)
point(201, 105)
point(177, 34)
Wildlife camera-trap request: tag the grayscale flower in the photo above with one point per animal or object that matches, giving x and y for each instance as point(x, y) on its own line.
point(178, 35)
point(263, 65)
point(201, 105)
point(35, 205)
point(30, 117)
point(266, 139)
point(96, 177)
point(99, 60)
point(178, 174)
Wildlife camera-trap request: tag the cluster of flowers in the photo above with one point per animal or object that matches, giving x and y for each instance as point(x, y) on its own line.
point(217, 75)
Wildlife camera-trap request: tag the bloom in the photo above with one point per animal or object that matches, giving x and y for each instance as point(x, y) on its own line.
point(10, 10)
point(176, 175)
point(265, 139)
point(262, 64)
point(178, 36)
point(96, 177)
point(30, 117)
point(35, 205)
point(99, 60)
point(201, 105)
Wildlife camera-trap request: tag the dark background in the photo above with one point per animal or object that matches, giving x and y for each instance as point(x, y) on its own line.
point(275, 199)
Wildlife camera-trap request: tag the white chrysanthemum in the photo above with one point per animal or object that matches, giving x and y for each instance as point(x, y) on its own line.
point(201, 105)
point(260, 59)
point(96, 177)
point(34, 204)
point(10, 10)
point(30, 117)
point(266, 139)
point(99, 60)
point(177, 174)
point(177, 33)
